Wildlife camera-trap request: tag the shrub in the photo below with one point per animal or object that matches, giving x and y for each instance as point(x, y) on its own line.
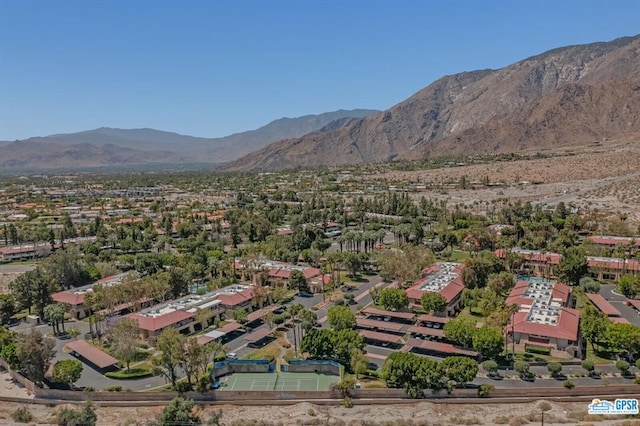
point(113, 389)
point(554, 368)
point(623, 366)
point(588, 365)
point(638, 363)
point(347, 402)
point(589, 285)
point(568, 384)
point(311, 412)
point(637, 381)
point(544, 406)
point(85, 417)
point(134, 373)
point(537, 350)
point(490, 367)
point(22, 415)
point(484, 390)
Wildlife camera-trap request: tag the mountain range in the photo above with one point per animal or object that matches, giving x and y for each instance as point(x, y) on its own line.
point(569, 96)
point(105, 147)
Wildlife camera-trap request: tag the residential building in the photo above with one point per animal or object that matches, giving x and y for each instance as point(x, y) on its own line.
point(75, 296)
point(444, 278)
point(544, 318)
point(181, 313)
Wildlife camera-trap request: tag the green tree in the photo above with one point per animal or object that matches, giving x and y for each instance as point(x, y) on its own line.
point(7, 308)
point(35, 353)
point(460, 330)
point(555, 368)
point(64, 269)
point(359, 362)
point(488, 341)
point(240, 315)
point(393, 298)
point(298, 281)
point(459, 369)
point(170, 344)
point(411, 372)
point(478, 269)
point(124, 337)
point(623, 338)
point(594, 325)
point(572, 266)
point(589, 366)
point(353, 263)
point(589, 285)
point(341, 318)
point(629, 285)
point(433, 302)
point(336, 344)
point(501, 283)
point(67, 371)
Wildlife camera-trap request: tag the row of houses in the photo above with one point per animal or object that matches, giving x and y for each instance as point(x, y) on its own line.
point(545, 263)
point(544, 317)
point(37, 250)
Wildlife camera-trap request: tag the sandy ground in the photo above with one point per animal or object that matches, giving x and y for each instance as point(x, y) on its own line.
point(419, 413)
point(607, 180)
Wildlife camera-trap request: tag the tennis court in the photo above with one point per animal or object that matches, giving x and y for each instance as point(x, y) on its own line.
point(277, 381)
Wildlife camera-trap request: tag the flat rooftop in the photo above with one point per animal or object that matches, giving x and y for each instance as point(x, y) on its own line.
point(192, 302)
point(437, 280)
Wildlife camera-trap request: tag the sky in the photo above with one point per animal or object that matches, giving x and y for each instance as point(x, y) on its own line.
point(216, 67)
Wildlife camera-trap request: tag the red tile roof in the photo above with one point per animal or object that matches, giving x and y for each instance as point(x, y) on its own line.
point(444, 348)
point(91, 353)
point(236, 299)
point(392, 314)
point(566, 328)
point(414, 329)
point(604, 305)
point(610, 240)
point(433, 318)
point(533, 256)
point(380, 325)
point(613, 263)
point(381, 337)
point(74, 299)
point(450, 291)
point(160, 322)
point(260, 312)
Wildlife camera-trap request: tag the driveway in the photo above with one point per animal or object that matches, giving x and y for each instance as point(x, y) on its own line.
point(619, 302)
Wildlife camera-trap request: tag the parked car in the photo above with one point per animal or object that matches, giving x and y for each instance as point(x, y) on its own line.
point(232, 355)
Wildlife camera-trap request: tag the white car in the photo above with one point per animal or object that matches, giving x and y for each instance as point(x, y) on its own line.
point(232, 355)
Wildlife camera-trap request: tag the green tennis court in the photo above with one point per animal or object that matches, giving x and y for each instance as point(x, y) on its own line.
point(277, 381)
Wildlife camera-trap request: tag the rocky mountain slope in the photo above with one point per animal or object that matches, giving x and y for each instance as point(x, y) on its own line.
point(566, 96)
point(116, 147)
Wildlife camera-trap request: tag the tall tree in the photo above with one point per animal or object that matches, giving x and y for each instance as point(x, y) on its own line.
point(124, 338)
point(488, 341)
point(594, 325)
point(460, 330)
point(35, 353)
point(341, 318)
point(170, 345)
point(393, 298)
point(179, 412)
point(572, 266)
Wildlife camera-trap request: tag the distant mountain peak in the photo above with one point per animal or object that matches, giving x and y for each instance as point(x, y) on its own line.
point(485, 111)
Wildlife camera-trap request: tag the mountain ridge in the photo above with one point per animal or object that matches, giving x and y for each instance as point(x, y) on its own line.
point(453, 104)
point(146, 145)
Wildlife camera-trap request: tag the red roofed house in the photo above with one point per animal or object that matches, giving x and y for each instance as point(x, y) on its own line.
point(277, 272)
point(181, 313)
point(444, 278)
point(75, 296)
point(610, 241)
point(28, 251)
point(601, 268)
point(544, 319)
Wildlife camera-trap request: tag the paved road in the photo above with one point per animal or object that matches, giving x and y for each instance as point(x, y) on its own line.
point(619, 302)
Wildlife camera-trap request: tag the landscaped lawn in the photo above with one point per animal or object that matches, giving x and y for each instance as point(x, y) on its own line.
point(599, 357)
point(270, 352)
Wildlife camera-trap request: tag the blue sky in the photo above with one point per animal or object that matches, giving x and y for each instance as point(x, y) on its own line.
point(212, 68)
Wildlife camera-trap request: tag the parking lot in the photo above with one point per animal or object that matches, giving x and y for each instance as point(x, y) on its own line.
point(629, 313)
